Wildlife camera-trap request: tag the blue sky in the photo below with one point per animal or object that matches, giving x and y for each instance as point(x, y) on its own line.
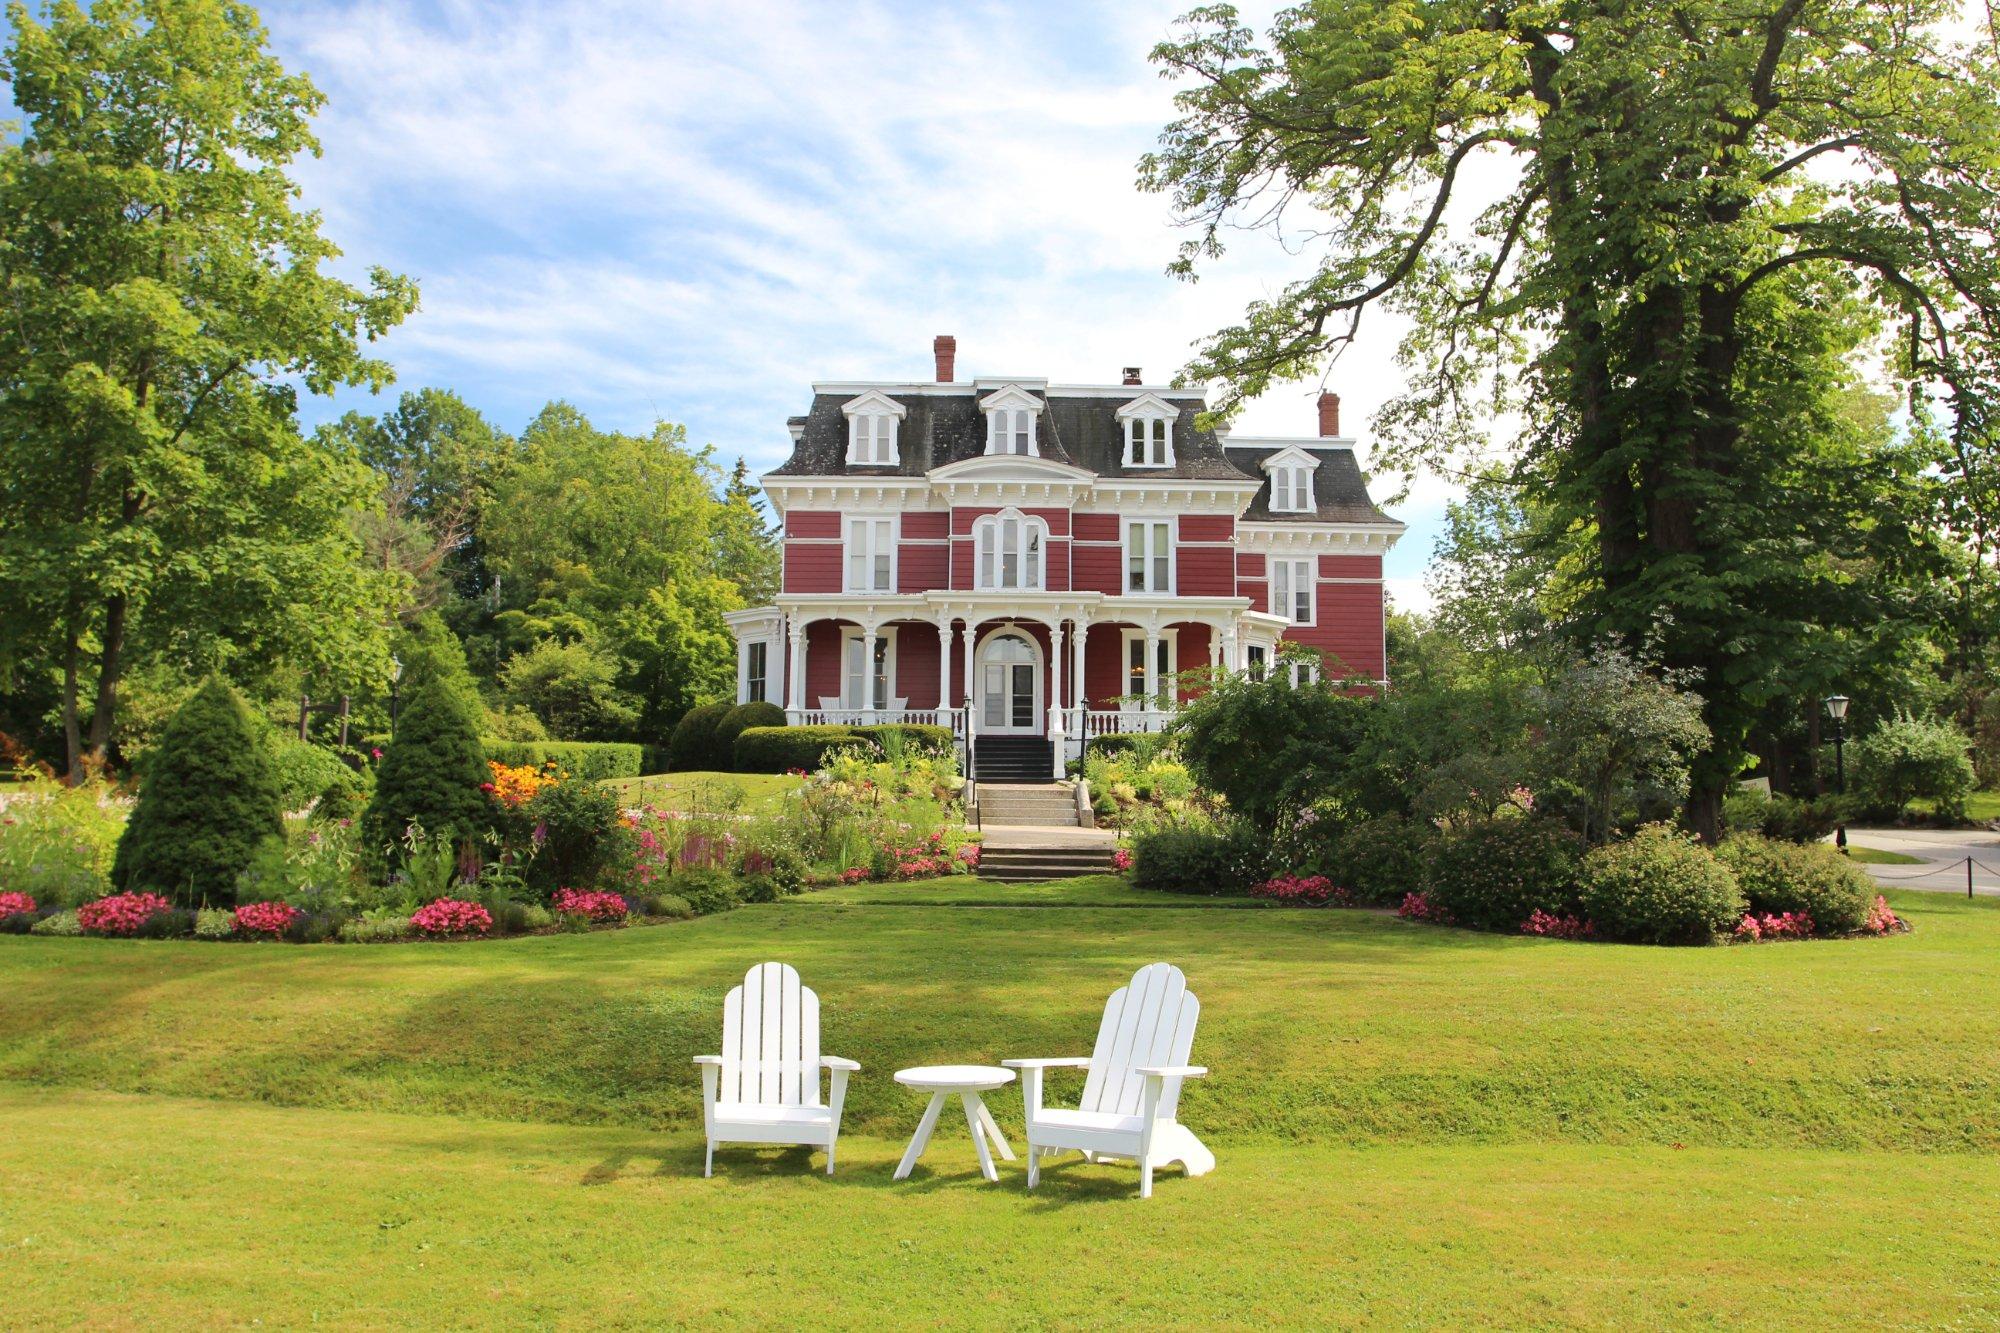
point(691, 211)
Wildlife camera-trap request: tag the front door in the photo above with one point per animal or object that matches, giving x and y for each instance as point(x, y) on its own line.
point(1008, 686)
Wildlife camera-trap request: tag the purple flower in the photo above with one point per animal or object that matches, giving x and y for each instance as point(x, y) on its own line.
point(541, 834)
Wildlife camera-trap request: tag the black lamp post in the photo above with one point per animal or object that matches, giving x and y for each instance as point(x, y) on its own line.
point(395, 679)
point(1836, 708)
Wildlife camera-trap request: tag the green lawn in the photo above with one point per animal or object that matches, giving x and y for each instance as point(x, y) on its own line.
point(1875, 856)
point(1412, 1124)
point(971, 891)
point(712, 791)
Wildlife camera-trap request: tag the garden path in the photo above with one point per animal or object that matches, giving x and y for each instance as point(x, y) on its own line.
point(1944, 853)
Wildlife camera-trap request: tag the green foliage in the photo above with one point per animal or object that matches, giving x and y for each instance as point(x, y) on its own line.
point(1658, 887)
point(62, 923)
point(759, 713)
point(304, 770)
point(1199, 860)
point(214, 923)
point(1383, 858)
point(1267, 744)
point(376, 929)
point(666, 904)
point(208, 802)
point(1778, 877)
point(431, 774)
point(588, 761)
point(57, 842)
point(706, 891)
point(1498, 873)
point(692, 746)
point(1616, 745)
point(917, 736)
point(1907, 759)
point(782, 749)
point(1792, 820)
point(572, 688)
point(1113, 743)
point(582, 835)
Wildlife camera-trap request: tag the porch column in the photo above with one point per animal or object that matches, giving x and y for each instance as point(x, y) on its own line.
point(1076, 642)
point(795, 681)
point(1214, 647)
point(742, 670)
point(1152, 667)
point(944, 666)
point(965, 633)
point(868, 638)
point(1230, 660)
point(1055, 678)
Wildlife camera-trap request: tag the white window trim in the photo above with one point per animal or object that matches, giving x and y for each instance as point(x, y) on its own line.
point(847, 526)
point(1296, 468)
point(993, 523)
point(1142, 412)
point(874, 408)
point(1125, 525)
point(750, 646)
point(1170, 639)
point(1041, 688)
point(886, 636)
point(1310, 564)
point(1009, 401)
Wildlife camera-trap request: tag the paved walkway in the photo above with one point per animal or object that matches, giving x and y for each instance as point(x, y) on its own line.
point(1944, 853)
point(1047, 835)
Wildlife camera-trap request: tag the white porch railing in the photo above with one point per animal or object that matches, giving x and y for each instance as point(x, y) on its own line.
point(863, 717)
point(1110, 721)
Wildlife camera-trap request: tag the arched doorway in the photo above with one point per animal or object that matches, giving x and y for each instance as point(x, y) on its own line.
point(1008, 683)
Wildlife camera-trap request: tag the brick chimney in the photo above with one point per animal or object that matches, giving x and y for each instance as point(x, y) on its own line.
point(945, 348)
point(1132, 375)
point(1329, 414)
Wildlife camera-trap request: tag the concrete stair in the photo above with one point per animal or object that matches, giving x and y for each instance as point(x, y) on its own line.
point(1049, 804)
point(1028, 865)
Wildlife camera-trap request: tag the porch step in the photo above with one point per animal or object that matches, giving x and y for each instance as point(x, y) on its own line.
point(1019, 759)
point(1028, 865)
point(1051, 804)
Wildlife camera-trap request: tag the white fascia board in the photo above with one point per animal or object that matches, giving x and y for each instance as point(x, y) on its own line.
point(1288, 442)
point(917, 389)
point(1328, 538)
point(874, 401)
point(892, 494)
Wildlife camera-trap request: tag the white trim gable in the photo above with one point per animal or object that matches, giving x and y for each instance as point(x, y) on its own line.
point(1013, 422)
point(872, 420)
point(1291, 471)
point(1149, 431)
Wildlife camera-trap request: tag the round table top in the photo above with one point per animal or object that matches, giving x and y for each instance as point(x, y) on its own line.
point(955, 1078)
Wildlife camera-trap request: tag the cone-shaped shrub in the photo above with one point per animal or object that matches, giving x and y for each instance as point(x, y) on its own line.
point(207, 802)
point(432, 771)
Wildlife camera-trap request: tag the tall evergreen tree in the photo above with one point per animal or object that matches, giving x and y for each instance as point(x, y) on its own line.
point(432, 772)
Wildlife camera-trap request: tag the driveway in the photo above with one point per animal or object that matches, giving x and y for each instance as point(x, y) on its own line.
point(1944, 853)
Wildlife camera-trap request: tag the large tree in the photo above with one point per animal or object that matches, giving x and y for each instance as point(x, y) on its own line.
point(163, 300)
point(1691, 209)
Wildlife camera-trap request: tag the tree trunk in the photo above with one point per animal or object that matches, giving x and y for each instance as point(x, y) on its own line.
point(110, 662)
point(72, 727)
point(1704, 813)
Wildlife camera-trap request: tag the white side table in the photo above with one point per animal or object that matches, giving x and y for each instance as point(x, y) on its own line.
point(968, 1082)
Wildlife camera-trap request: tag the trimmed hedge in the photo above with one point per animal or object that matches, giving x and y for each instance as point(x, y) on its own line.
point(1659, 887)
point(781, 749)
point(586, 760)
point(758, 713)
point(1779, 877)
point(917, 735)
point(1114, 743)
point(1188, 860)
point(1497, 874)
point(692, 747)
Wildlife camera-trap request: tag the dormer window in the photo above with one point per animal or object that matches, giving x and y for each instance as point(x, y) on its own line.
point(1011, 416)
point(871, 429)
point(1149, 431)
point(1291, 481)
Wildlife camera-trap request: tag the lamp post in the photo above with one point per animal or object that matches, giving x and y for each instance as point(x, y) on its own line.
point(395, 679)
point(1836, 708)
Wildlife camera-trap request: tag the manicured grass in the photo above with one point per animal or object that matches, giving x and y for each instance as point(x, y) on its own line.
point(710, 791)
point(971, 891)
point(1981, 807)
point(1875, 856)
point(124, 1211)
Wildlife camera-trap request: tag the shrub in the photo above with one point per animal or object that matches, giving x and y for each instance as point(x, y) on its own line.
point(173, 924)
point(1191, 860)
point(581, 833)
point(451, 916)
point(376, 930)
point(918, 737)
point(1382, 859)
point(1114, 743)
point(586, 761)
point(1905, 760)
point(692, 746)
point(780, 864)
point(706, 891)
point(1498, 873)
point(121, 913)
point(1777, 878)
point(1792, 820)
point(270, 920)
point(666, 904)
point(1550, 926)
point(1659, 887)
point(592, 905)
point(758, 713)
point(1304, 891)
point(13, 903)
point(1882, 921)
point(57, 842)
point(432, 772)
point(782, 749)
point(758, 888)
point(1420, 906)
point(304, 770)
point(212, 923)
point(62, 923)
point(209, 800)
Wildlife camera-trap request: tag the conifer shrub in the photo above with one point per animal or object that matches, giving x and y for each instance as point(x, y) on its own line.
point(758, 713)
point(208, 803)
point(692, 746)
point(431, 773)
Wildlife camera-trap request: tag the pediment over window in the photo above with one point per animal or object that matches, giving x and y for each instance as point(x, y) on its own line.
point(1010, 467)
point(1291, 471)
point(875, 401)
point(872, 420)
point(1149, 405)
point(1011, 396)
point(1149, 431)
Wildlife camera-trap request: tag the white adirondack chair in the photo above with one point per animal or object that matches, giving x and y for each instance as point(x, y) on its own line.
point(764, 1087)
point(1133, 1089)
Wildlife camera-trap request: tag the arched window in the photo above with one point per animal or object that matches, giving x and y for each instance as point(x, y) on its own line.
point(1011, 549)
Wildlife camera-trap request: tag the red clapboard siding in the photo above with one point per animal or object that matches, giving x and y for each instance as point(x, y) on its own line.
point(1096, 528)
point(1257, 590)
point(963, 519)
point(1249, 565)
point(917, 665)
point(812, 568)
point(1103, 665)
point(1349, 628)
point(926, 525)
point(1207, 571)
point(1057, 519)
point(922, 568)
point(961, 564)
point(1207, 527)
point(1192, 653)
point(1095, 568)
point(1350, 566)
point(812, 523)
point(822, 661)
point(1056, 575)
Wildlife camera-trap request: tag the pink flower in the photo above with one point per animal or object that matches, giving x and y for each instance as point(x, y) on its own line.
point(452, 916)
point(375, 753)
point(1554, 927)
point(1121, 859)
point(121, 913)
point(269, 919)
point(10, 903)
point(592, 906)
point(1881, 921)
point(1304, 891)
point(1419, 907)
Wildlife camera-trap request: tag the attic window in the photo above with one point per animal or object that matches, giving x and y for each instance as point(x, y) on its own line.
point(1149, 431)
point(871, 430)
point(1291, 489)
point(1011, 417)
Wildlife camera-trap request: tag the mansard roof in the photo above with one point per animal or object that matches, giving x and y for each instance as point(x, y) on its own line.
point(943, 424)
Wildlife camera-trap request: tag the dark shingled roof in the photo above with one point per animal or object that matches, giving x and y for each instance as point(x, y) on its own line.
point(1082, 431)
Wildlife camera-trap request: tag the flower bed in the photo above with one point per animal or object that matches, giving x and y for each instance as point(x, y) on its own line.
point(121, 913)
point(270, 920)
point(12, 904)
point(1304, 891)
point(591, 905)
point(1549, 925)
point(451, 916)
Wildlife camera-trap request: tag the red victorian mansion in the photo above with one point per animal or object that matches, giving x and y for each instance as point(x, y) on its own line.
point(1031, 564)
